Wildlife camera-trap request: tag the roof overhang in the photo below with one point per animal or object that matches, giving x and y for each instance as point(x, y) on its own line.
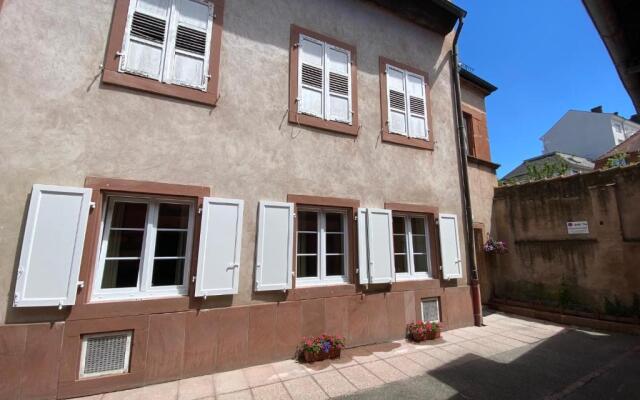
point(437, 15)
point(477, 81)
point(618, 26)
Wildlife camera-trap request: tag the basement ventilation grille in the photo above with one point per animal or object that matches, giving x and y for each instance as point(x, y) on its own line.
point(431, 309)
point(105, 354)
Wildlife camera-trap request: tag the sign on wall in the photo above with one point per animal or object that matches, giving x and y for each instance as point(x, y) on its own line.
point(577, 227)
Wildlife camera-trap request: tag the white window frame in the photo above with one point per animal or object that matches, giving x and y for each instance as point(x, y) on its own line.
point(168, 47)
point(411, 273)
point(407, 105)
point(322, 279)
point(325, 80)
point(143, 289)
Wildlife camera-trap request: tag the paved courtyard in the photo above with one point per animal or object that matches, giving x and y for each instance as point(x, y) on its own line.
point(510, 358)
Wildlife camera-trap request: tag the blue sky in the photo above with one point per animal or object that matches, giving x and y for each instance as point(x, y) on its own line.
point(545, 57)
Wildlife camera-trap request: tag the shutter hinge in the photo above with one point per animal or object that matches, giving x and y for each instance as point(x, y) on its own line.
point(193, 279)
point(208, 76)
point(80, 284)
point(199, 210)
point(294, 215)
point(441, 268)
point(296, 45)
point(120, 53)
point(92, 205)
point(16, 296)
point(60, 305)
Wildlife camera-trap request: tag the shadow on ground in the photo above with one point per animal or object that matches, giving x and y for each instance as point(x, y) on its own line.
point(574, 364)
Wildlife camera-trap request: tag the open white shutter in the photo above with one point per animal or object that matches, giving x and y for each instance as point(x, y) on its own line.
point(189, 43)
point(145, 38)
point(363, 254)
point(338, 74)
point(52, 246)
point(380, 246)
point(396, 100)
point(220, 244)
point(417, 106)
point(450, 247)
point(310, 76)
point(274, 253)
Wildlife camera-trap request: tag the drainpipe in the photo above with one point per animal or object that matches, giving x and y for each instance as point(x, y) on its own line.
point(462, 151)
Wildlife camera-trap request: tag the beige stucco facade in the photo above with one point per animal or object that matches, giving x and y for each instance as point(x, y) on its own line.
point(61, 124)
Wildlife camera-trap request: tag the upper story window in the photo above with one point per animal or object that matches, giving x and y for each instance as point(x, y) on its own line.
point(145, 248)
point(411, 247)
point(323, 82)
point(467, 120)
point(169, 47)
point(405, 105)
point(618, 133)
point(322, 243)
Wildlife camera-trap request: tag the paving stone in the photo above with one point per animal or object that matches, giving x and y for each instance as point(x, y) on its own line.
point(260, 375)
point(334, 384)
point(289, 369)
point(241, 395)
point(227, 382)
point(196, 388)
point(275, 391)
point(305, 389)
point(361, 377)
point(407, 366)
point(385, 371)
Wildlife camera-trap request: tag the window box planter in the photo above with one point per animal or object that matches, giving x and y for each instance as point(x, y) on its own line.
point(319, 348)
point(421, 331)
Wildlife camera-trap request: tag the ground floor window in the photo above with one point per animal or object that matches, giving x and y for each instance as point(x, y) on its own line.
point(145, 248)
point(411, 247)
point(322, 243)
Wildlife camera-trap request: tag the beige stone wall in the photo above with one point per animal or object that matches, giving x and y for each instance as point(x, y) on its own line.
point(60, 124)
point(549, 267)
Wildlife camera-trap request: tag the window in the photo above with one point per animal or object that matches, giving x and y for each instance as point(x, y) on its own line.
point(411, 247)
point(322, 243)
point(467, 120)
point(145, 248)
point(169, 47)
point(618, 133)
point(404, 101)
point(322, 87)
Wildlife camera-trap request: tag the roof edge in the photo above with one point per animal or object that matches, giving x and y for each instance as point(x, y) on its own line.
point(476, 80)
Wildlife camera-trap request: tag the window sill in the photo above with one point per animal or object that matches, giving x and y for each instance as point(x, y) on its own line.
point(151, 86)
point(415, 284)
point(316, 122)
point(130, 307)
point(406, 141)
point(413, 278)
point(316, 292)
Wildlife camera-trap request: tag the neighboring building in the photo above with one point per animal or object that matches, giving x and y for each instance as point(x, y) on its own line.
point(482, 171)
point(330, 146)
point(617, 24)
point(570, 165)
point(623, 154)
point(587, 134)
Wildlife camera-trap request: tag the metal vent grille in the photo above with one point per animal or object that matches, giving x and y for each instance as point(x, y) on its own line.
point(396, 99)
point(148, 27)
point(312, 76)
point(191, 40)
point(338, 83)
point(105, 353)
point(416, 105)
point(430, 310)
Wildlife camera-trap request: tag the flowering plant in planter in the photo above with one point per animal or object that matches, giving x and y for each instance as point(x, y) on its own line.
point(318, 348)
point(495, 247)
point(420, 330)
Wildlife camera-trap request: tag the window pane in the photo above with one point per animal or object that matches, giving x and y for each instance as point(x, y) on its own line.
point(120, 274)
point(125, 243)
point(307, 221)
point(129, 215)
point(173, 216)
point(399, 244)
point(419, 243)
point(401, 263)
point(335, 265)
point(398, 224)
point(171, 243)
point(335, 243)
point(417, 226)
point(334, 222)
point(420, 261)
point(167, 272)
point(307, 266)
point(307, 243)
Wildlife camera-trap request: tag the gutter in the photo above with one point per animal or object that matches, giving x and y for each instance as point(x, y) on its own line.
point(466, 198)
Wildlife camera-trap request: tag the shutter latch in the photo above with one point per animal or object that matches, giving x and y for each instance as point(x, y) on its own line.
point(119, 53)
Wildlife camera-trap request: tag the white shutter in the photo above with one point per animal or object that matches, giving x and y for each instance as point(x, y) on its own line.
point(145, 38)
point(380, 246)
point(338, 74)
point(52, 246)
point(417, 106)
point(274, 253)
point(220, 244)
point(396, 100)
point(450, 247)
point(310, 76)
point(189, 43)
point(363, 255)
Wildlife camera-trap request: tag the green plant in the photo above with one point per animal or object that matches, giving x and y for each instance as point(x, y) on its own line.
point(548, 170)
point(617, 308)
point(617, 160)
point(322, 343)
